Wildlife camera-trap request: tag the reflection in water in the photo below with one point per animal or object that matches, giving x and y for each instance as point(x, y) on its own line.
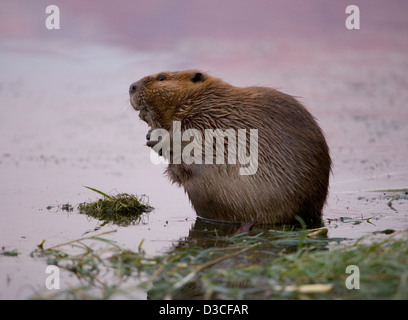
point(210, 233)
point(212, 250)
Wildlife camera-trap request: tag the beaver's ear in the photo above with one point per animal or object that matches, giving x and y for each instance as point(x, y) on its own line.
point(197, 77)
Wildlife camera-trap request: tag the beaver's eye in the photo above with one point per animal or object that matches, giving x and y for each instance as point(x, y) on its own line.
point(161, 77)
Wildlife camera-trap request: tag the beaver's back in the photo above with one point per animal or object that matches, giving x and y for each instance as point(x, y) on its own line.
point(293, 162)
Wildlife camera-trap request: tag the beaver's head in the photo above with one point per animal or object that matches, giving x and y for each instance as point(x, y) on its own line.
point(160, 97)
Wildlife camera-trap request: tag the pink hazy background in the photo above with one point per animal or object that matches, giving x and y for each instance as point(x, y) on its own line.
point(147, 25)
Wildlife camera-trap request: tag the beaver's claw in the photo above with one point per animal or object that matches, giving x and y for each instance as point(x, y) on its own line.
point(150, 143)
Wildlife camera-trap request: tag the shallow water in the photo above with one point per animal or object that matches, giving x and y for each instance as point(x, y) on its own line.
point(65, 119)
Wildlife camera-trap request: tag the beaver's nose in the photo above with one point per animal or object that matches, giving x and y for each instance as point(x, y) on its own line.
point(133, 87)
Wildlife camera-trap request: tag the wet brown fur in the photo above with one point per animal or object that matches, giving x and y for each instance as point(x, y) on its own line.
point(293, 161)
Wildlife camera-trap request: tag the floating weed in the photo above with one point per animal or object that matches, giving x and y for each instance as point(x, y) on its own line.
point(9, 253)
point(402, 189)
point(67, 207)
point(122, 209)
point(393, 193)
point(389, 203)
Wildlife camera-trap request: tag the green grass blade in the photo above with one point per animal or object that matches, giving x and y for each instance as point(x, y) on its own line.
point(100, 192)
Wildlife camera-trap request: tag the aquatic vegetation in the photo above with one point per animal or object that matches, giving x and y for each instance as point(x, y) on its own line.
point(271, 264)
point(121, 209)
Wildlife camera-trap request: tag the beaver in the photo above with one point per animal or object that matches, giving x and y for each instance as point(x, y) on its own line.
point(293, 160)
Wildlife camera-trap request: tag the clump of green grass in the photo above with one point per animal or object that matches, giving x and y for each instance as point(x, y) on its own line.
point(122, 209)
point(254, 269)
point(101, 267)
point(267, 265)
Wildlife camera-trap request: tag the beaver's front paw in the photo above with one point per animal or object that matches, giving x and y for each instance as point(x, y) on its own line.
point(151, 143)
